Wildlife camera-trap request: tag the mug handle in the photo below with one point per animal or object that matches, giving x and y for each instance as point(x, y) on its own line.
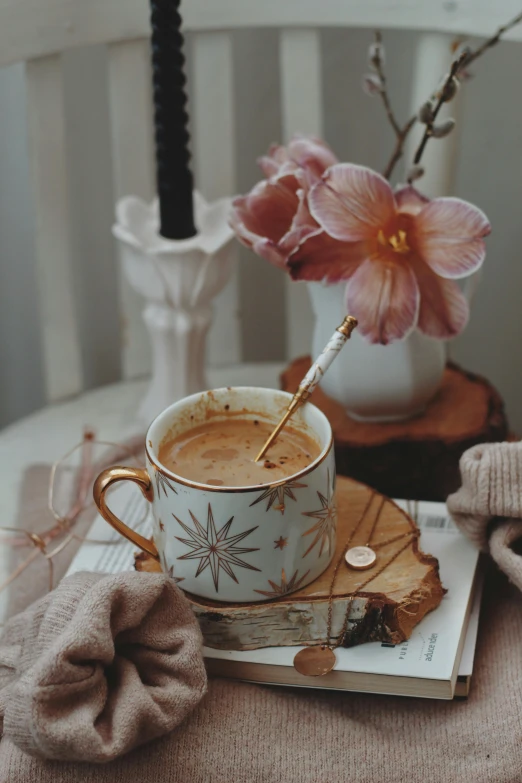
point(105, 480)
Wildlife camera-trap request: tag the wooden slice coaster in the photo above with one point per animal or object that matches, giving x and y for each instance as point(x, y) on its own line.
point(417, 458)
point(387, 609)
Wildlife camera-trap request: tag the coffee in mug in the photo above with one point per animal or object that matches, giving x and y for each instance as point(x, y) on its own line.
point(222, 453)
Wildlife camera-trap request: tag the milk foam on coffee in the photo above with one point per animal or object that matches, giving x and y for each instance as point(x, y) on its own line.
point(222, 453)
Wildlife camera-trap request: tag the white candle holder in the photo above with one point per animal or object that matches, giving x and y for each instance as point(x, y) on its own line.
point(179, 279)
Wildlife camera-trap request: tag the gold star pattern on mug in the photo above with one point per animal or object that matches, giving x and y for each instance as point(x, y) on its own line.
point(162, 482)
point(214, 549)
point(283, 587)
point(278, 493)
point(324, 529)
point(280, 543)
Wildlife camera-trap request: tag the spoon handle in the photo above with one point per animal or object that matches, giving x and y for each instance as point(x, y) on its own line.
point(313, 376)
point(324, 360)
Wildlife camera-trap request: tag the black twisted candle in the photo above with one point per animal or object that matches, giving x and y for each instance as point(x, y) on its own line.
point(173, 174)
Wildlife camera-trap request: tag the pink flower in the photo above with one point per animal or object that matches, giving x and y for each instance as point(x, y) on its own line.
point(399, 252)
point(305, 156)
point(273, 218)
point(263, 218)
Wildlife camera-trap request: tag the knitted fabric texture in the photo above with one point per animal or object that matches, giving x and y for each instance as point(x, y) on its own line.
point(243, 733)
point(488, 506)
point(99, 666)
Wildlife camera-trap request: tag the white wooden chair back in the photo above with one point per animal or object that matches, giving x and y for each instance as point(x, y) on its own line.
point(38, 32)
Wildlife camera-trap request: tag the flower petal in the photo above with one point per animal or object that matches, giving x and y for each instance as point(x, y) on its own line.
point(303, 225)
point(384, 297)
point(352, 203)
point(312, 154)
point(305, 156)
point(235, 221)
point(443, 311)
point(448, 236)
point(410, 200)
point(320, 257)
point(273, 160)
point(270, 251)
point(267, 211)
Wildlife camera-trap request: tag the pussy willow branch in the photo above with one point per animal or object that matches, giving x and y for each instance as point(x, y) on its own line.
point(465, 59)
point(428, 131)
point(399, 147)
point(402, 133)
point(379, 69)
point(472, 56)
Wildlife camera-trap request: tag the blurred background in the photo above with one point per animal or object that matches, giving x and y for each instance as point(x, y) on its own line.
point(489, 173)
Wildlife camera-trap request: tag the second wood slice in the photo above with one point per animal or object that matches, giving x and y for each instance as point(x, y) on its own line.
point(418, 457)
point(386, 610)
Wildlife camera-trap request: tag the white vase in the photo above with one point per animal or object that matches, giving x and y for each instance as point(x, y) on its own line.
point(375, 382)
point(179, 279)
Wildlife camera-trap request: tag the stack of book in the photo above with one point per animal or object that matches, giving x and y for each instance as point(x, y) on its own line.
point(436, 662)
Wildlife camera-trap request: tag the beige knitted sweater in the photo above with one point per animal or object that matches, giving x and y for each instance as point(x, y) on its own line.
point(243, 733)
point(488, 506)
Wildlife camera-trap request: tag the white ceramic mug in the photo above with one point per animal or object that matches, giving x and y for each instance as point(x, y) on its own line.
point(235, 544)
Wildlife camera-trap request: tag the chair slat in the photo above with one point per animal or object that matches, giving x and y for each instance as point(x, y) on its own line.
point(57, 25)
point(431, 62)
point(133, 166)
point(301, 109)
point(215, 167)
point(46, 133)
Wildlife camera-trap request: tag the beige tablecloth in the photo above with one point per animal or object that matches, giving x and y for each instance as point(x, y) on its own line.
point(250, 734)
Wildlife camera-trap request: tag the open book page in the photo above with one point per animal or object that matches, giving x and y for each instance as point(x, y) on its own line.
point(429, 653)
point(116, 553)
point(432, 648)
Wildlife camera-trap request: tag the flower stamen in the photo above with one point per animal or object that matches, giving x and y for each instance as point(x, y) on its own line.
point(398, 242)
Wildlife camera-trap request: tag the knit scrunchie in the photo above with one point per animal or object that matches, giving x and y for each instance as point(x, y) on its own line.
point(100, 665)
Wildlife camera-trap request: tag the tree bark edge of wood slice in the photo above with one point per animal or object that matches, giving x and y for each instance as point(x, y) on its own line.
point(419, 457)
point(387, 611)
